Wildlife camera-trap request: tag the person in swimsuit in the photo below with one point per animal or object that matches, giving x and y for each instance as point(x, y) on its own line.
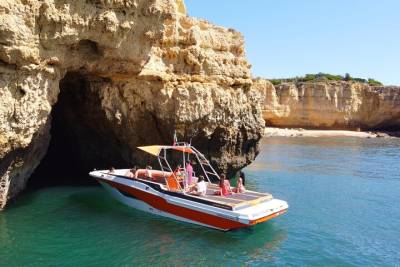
point(240, 185)
point(241, 175)
point(149, 172)
point(225, 186)
point(131, 173)
point(189, 174)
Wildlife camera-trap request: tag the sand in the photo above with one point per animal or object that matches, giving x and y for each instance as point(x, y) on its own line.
point(287, 132)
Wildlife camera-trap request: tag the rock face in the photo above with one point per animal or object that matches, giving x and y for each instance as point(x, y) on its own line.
point(113, 75)
point(330, 105)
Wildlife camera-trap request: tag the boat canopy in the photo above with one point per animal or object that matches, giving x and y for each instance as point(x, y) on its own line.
point(156, 149)
point(160, 152)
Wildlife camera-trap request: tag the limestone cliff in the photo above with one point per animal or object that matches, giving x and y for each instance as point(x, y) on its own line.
point(330, 105)
point(115, 74)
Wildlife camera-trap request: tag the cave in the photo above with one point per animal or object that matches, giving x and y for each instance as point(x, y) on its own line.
point(81, 139)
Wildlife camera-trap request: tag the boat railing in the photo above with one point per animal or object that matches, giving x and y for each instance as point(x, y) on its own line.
point(171, 180)
point(205, 164)
point(187, 149)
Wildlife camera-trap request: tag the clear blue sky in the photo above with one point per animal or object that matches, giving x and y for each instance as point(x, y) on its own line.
point(286, 38)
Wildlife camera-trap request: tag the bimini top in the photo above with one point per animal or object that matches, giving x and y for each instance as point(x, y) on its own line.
point(155, 150)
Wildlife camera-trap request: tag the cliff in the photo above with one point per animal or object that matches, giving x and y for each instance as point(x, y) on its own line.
point(96, 78)
point(330, 105)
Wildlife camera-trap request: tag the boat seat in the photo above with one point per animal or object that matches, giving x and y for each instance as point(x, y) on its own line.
point(173, 184)
point(156, 175)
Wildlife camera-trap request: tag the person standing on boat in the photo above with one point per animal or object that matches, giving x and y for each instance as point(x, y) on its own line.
point(189, 173)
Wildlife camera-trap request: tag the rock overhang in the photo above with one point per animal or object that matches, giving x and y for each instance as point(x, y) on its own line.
point(149, 65)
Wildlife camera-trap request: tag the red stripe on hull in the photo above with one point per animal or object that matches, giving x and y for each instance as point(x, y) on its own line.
point(201, 217)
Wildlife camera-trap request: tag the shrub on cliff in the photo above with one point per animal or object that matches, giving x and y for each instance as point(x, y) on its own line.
point(360, 80)
point(276, 81)
point(374, 82)
point(320, 76)
point(325, 77)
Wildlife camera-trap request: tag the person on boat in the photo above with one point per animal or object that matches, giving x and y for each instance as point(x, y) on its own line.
point(224, 187)
point(199, 189)
point(111, 170)
point(189, 173)
point(240, 185)
point(241, 175)
point(179, 174)
point(131, 173)
point(149, 172)
point(178, 169)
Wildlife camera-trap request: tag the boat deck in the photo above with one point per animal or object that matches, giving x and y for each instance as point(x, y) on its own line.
point(234, 201)
point(237, 200)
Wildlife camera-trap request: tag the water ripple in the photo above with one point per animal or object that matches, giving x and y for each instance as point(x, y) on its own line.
point(343, 195)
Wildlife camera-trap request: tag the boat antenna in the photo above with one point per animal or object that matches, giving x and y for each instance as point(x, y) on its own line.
point(175, 142)
point(193, 135)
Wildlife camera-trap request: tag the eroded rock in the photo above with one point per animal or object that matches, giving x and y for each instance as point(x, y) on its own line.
point(140, 69)
point(330, 105)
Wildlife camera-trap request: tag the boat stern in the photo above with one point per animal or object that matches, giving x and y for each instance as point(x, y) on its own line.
point(262, 212)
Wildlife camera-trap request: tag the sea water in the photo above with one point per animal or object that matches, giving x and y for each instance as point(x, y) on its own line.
point(344, 197)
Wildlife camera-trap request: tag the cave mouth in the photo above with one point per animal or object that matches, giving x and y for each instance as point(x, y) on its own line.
point(81, 137)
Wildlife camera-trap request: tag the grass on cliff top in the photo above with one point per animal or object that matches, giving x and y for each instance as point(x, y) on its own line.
point(326, 77)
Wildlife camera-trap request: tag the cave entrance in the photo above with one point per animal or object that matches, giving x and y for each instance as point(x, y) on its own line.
point(81, 138)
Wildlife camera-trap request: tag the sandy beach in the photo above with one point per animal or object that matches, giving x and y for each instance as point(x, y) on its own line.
point(299, 132)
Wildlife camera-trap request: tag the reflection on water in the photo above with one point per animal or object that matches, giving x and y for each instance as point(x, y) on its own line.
point(343, 195)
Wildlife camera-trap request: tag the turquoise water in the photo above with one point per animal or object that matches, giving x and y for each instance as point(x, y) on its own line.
point(344, 211)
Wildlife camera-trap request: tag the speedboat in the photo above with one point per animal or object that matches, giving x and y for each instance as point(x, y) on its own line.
point(163, 192)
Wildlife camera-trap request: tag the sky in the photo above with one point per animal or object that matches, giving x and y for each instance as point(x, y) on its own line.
point(287, 38)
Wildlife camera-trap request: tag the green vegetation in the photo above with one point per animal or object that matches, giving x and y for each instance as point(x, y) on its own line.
point(326, 77)
point(374, 82)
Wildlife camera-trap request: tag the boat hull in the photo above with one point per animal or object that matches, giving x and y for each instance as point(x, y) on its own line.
point(143, 197)
point(143, 206)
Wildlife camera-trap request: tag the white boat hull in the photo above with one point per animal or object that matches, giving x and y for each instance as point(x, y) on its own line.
point(143, 206)
point(144, 196)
